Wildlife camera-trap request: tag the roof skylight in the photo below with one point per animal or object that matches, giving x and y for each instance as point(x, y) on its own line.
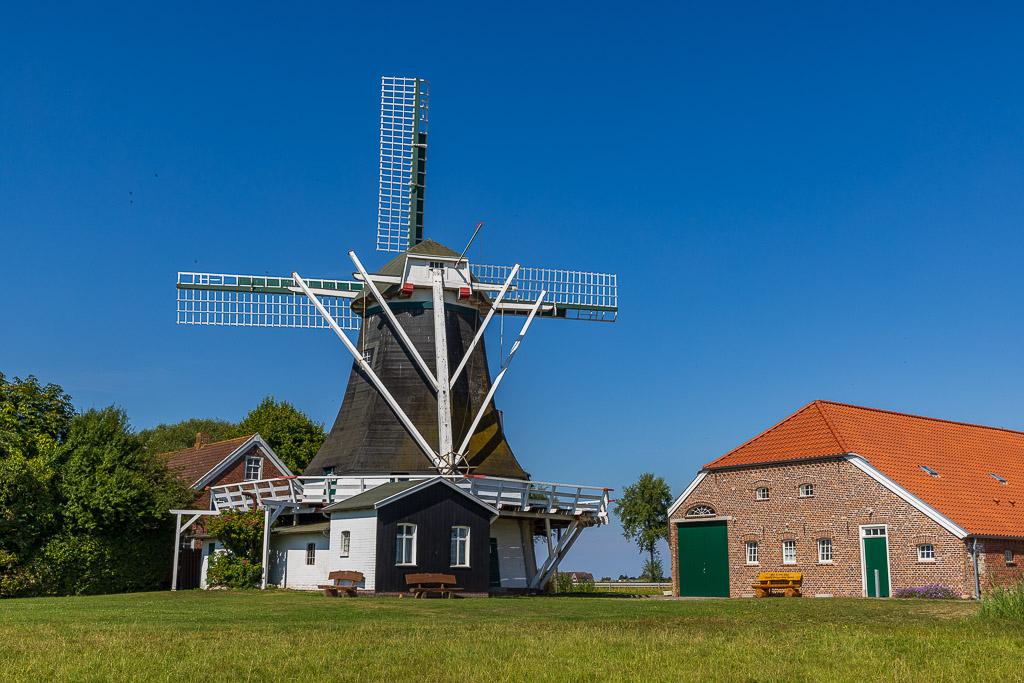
point(929, 470)
point(997, 478)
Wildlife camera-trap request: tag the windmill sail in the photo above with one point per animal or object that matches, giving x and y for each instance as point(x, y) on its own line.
point(571, 294)
point(260, 301)
point(403, 156)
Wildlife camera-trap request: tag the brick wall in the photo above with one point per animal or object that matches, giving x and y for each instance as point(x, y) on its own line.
point(844, 498)
point(236, 473)
point(993, 569)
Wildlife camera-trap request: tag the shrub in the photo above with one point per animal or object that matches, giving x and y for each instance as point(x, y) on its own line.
point(242, 536)
point(231, 571)
point(930, 592)
point(1004, 603)
point(240, 532)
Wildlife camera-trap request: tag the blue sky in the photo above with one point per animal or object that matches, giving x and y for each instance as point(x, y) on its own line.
point(801, 201)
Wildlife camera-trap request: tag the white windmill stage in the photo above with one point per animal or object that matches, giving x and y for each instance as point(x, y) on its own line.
point(416, 474)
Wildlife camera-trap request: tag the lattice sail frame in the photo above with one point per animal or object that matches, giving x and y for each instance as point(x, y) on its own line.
point(252, 301)
point(576, 294)
point(261, 301)
point(404, 103)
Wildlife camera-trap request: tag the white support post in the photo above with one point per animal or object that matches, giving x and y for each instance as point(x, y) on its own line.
point(556, 555)
point(266, 546)
point(487, 319)
point(399, 330)
point(178, 528)
point(365, 367)
point(444, 399)
point(497, 380)
point(565, 545)
point(177, 544)
point(272, 509)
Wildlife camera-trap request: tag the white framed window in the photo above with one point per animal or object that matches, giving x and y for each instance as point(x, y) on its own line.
point(405, 549)
point(311, 553)
point(926, 552)
point(460, 546)
point(825, 550)
point(752, 552)
point(806, 490)
point(346, 539)
point(700, 511)
point(789, 552)
point(1008, 554)
point(761, 493)
point(873, 531)
point(253, 467)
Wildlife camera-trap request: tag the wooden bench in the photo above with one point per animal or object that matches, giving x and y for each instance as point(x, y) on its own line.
point(442, 585)
point(339, 589)
point(790, 582)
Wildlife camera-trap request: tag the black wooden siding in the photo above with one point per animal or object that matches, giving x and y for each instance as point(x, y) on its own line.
point(434, 511)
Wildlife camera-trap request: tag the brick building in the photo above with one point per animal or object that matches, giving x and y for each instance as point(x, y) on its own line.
point(862, 501)
point(247, 458)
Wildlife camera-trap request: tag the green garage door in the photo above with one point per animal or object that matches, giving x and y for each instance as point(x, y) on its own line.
point(703, 559)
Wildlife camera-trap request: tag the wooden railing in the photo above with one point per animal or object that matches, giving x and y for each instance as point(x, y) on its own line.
point(503, 494)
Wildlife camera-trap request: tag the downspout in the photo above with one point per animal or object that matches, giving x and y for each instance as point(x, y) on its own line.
point(977, 580)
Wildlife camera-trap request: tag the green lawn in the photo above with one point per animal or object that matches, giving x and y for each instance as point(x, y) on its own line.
point(195, 635)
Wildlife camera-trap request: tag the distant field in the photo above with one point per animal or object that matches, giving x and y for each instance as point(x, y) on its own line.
point(194, 635)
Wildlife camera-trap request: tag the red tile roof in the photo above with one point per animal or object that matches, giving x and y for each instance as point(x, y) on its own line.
point(897, 444)
point(192, 463)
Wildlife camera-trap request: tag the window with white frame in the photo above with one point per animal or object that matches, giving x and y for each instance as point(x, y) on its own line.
point(700, 511)
point(824, 550)
point(1009, 556)
point(460, 546)
point(346, 538)
point(311, 553)
point(761, 493)
point(405, 552)
point(874, 531)
point(752, 552)
point(926, 552)
point(253, 467)
point(789, 552)
point(806, 490)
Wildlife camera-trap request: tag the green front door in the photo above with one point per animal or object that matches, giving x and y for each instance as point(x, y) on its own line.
point(876, 566)
point(703, 559)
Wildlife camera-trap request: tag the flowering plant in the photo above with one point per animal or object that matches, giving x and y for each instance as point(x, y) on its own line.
point(930, 592)
point(242, 535)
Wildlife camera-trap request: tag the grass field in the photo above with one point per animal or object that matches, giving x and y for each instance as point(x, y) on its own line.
point(195, 635)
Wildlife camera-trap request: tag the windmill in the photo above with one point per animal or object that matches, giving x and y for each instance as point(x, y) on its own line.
point(420, 395)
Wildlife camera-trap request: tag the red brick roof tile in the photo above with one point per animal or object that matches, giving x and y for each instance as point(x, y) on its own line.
point(192, 463)
point(897, 444)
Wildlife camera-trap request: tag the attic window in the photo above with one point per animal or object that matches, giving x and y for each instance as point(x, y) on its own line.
point(929, 470)
point(700, 511)
point(997, 478)
point(253, 467)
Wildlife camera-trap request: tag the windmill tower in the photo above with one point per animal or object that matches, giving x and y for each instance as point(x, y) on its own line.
point(420, 396)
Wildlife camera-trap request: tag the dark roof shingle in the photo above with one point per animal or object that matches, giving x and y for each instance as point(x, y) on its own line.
point(192, 463)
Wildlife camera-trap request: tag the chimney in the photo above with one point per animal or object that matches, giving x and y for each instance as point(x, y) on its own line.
point(202, 440)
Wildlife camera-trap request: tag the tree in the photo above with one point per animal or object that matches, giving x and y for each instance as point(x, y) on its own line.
point(114, 498)
point(27, 504)
point(165, 438)
point(652, 571)
point(33, 418)
point(643, 510)
point(293, 436)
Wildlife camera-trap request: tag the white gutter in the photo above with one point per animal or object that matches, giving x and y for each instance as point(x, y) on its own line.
point(689, 489)
point(861, 463)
